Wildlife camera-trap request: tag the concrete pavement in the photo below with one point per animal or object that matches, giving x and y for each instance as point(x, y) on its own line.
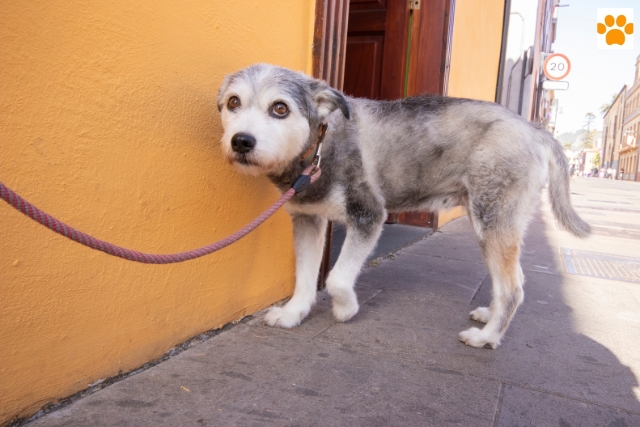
point(570, 358)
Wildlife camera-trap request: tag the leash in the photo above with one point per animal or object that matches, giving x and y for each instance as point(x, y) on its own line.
point(308, 177)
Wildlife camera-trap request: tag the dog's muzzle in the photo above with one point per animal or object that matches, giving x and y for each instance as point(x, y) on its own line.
point(242, 143)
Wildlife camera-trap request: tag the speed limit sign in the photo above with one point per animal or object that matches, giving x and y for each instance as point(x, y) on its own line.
point(556, 66)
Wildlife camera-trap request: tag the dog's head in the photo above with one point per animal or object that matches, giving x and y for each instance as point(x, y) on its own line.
point(269, 114)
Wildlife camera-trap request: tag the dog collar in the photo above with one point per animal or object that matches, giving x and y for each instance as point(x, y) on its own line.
point(322, 130)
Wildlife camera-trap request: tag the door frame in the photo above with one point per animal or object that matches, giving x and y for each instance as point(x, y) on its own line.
point(330, 41)
point(433, 20)
point(329, 47)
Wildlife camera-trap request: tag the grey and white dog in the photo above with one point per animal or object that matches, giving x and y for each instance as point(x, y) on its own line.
point(416, 154)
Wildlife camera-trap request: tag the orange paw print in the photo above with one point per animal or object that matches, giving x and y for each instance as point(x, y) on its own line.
point(615, 35)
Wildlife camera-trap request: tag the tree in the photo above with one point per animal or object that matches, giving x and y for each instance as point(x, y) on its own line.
point(588, 121)
point(589, 138)
point(596, 161)
point(590, 135)
point(604, 108)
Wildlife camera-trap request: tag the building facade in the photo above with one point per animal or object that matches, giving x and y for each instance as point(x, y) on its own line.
point(612, 132)
point(630, 131)
point(527, 41)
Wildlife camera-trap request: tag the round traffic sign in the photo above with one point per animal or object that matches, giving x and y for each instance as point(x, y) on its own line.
point(556, 66)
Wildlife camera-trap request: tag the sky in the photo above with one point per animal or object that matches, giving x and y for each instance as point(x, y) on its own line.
point(596, 74)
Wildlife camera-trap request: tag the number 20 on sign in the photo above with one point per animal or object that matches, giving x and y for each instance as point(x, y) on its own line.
point(556, 66)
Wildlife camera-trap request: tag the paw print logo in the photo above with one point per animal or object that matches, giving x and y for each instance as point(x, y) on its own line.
point(615, 35)
point(615, 28)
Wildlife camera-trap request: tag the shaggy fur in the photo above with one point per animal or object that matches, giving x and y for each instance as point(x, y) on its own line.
point(420, 153)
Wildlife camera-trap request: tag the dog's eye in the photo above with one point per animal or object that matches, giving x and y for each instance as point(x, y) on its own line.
point(280, 109)
point(233, 103)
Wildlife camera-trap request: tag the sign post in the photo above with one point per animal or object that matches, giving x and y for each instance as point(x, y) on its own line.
point(556, 66)
point(553, 85)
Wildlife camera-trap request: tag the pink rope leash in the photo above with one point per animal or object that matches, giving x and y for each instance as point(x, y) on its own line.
point(50, 222)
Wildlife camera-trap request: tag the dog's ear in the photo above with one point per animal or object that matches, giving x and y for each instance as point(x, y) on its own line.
point(223, 88)
point(328, 99)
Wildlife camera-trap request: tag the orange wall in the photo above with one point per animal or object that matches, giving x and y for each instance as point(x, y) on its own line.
point(475, 51)
point(475, 58)
point(108, 122)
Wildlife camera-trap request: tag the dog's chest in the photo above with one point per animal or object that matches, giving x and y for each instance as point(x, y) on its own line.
point(331, 207)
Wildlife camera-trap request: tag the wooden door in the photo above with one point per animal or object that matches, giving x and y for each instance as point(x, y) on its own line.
point(329, 44)
point(394, 51)
point(398, 48)
point(376, 48)
point(383, 49)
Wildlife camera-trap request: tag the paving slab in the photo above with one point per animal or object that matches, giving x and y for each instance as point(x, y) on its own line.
point(596, 304)
point(458, 280)
point(540, 252)
point(455, 242)
point(521, 407)
point(535, 352)
point(285, 382)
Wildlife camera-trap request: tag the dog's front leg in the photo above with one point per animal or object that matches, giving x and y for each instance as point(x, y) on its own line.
point(358, 244)
point(309, 236)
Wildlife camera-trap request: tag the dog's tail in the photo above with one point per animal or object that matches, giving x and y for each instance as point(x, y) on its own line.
point(559, 193)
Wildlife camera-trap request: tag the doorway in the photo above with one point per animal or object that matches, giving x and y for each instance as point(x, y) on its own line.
point(385, 49)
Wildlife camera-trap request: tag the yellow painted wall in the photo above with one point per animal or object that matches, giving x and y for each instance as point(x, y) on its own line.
point(475, 58)
point(108, 122)
point(451, 214)
point(475, 51)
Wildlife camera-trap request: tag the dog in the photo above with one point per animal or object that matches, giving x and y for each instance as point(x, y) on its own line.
point(422, 153)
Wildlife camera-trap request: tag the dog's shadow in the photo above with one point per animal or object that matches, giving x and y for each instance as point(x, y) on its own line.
point(566, 339)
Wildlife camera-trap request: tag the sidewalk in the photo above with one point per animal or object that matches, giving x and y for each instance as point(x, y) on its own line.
point(570, 358)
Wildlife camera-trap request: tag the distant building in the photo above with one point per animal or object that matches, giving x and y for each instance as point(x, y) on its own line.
point(630, 132)
point(612, 133)
point(588, 160)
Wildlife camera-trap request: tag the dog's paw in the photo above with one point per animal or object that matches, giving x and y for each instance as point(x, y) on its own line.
point(478, 338)
point(344, 298)
point(283, 318)
point(345, 308)
point(481, 314)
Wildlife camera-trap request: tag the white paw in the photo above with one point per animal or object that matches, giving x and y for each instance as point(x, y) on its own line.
point(283, 318)
point(480, 314)
point(478, 338)
point(344, 312)
point(345, 306)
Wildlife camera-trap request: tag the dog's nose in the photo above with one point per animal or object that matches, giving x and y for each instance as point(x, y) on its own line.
point(242, 143)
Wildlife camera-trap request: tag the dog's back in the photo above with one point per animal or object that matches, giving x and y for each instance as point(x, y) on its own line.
point(433, 152)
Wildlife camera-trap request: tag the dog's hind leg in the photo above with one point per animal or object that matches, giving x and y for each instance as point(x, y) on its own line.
point(358, 244)
point(309, 236)
point(501, 252)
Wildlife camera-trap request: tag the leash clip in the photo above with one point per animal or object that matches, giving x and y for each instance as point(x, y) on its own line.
point(303, 181)
point(322, 130)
